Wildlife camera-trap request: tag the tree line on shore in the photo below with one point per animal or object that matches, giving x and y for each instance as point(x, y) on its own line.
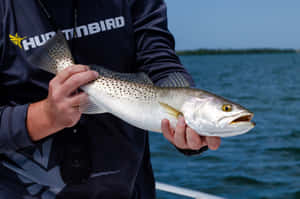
point(235, 51)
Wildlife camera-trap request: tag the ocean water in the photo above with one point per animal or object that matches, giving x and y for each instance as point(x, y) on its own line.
point(264, 163)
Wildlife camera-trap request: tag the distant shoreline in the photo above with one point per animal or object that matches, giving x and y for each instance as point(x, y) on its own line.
point(235, 51)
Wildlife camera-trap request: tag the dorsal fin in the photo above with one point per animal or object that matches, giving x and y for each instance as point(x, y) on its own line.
point(140, 77)
point(54, 56)
point(175, 79)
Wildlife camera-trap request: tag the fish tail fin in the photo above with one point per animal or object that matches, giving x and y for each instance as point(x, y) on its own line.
point(54, 56)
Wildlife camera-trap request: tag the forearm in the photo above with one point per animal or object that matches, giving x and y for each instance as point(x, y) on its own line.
point(39, 124)
point(20, 125)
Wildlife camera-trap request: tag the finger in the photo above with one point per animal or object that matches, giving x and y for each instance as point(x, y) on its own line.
point(180, 135)
point(78, 100)
point(68, 72)
point(194, 140)
point(167, 130)
point(77, 80)
point(204, 142)
point(213, 142)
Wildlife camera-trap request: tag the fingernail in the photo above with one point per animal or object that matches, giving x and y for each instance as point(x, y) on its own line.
point(96, 73)
point(165, 121)
point(214, 146)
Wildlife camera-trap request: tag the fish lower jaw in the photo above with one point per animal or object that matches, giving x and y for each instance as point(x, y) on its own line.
point(226, 133)
point(243, 123)
point(223, 135)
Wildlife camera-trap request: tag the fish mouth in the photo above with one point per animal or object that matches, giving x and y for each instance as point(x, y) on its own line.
point(243, 119)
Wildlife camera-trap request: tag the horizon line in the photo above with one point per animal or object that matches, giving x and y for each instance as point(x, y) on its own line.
point(250, 48)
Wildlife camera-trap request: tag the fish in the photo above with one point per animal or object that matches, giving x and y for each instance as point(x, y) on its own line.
point(134, 98)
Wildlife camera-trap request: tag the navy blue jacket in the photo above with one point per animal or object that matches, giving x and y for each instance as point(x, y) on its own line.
point(102, 156)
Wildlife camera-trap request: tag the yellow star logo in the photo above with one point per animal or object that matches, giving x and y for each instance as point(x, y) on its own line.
point(16, 40)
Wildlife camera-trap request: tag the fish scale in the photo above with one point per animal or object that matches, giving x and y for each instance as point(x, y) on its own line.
point(124, 89)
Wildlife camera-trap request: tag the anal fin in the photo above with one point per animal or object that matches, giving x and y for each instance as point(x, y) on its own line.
point(92, 108)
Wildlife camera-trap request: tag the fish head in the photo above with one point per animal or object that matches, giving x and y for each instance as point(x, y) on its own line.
point(211, 115)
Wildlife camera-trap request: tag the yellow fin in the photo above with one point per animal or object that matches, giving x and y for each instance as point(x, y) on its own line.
point(171, 110)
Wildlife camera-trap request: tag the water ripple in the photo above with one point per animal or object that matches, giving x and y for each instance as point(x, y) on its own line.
point(264, 163)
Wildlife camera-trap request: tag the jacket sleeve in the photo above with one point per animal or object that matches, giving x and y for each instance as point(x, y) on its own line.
point(155, 45)
point(13, 130)
point(155, 48)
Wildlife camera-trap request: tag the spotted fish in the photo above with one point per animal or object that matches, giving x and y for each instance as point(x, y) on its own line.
point(136, 100)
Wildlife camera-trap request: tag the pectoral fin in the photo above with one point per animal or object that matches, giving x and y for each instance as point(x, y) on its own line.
point(171, 110)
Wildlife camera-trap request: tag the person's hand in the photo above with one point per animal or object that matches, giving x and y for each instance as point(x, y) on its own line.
point(61, 109)
point(63, 102)
point(184, 137)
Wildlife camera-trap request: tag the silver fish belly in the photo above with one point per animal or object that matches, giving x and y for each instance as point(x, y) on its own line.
point(134, 99)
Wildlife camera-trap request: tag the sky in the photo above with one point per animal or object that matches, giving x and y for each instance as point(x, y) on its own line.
point(234, 23)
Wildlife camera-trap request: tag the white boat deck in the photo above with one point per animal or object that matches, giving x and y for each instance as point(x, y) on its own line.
point(184, 192)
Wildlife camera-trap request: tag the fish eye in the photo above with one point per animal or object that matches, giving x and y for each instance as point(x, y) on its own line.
point(227, 107)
